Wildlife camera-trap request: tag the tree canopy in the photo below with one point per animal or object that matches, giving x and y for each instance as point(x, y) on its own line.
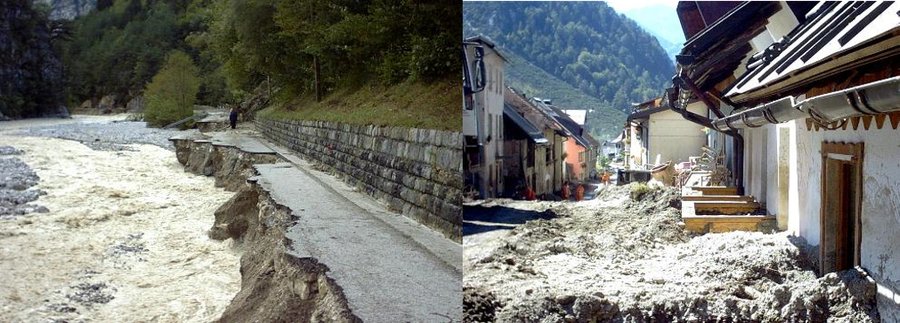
point(172, 92)
point(353, 41)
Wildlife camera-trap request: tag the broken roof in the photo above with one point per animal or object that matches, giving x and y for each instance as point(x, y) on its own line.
point(837, 36)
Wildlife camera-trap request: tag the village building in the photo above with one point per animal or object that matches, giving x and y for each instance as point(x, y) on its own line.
point(656, 134)
point(580, 149)
point(483, 123)
point(804, 100)
point(534, 152)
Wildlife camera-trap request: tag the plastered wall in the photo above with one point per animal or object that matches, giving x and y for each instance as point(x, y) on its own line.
point(880, 246)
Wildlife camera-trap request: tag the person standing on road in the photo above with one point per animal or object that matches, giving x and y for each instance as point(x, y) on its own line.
point(579, 192)
point(232, 117)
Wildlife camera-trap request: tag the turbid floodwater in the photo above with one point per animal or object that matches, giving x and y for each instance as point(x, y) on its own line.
point(125, 235)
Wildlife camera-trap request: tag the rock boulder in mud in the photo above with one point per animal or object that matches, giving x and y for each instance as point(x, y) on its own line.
point(235, 216)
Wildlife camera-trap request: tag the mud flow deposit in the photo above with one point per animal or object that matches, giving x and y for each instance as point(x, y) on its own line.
point(117, 232)
point(615, 259)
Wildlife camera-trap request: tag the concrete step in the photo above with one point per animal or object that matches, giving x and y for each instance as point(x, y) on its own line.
point(390, 268)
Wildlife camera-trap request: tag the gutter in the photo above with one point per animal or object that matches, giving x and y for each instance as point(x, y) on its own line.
point(873, 98)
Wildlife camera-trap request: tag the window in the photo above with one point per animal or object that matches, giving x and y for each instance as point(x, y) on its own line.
point(841, 205)
point(499, 128)
point(490, 78)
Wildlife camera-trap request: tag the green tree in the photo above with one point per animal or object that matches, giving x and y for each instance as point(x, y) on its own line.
point(171, 94)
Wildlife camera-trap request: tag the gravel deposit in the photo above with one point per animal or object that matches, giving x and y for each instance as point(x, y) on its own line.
point(16, 180)
point(115, 135)
point(615, 259)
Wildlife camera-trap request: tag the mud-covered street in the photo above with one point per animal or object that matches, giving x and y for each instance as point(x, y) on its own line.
point(622, 259)
point(118, 231)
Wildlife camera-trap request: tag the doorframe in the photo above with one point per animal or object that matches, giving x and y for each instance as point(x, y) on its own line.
point(856, 153)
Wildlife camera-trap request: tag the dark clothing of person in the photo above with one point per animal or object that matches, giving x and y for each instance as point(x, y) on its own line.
point(233, 118)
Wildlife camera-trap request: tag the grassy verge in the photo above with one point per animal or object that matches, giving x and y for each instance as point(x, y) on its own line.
point(415, 105)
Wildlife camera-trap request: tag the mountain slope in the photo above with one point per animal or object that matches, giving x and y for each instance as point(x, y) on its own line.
point(604, 122)
point(661, 22)
point(584, 44)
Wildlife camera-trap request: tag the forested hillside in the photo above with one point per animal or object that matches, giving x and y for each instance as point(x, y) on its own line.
point(662, 22)
point(237, 46)
point(585, 44)
point(534, 82)
point(244, 42)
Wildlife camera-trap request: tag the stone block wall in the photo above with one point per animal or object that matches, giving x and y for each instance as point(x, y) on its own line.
point(417, 172)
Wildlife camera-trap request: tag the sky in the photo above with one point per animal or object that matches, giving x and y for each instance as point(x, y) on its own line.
point(628, 5)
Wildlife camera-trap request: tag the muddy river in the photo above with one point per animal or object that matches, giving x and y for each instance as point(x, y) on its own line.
point(124, 239)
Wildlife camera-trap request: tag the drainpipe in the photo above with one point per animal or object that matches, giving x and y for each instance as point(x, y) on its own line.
point(689, 84)
point(737, 138)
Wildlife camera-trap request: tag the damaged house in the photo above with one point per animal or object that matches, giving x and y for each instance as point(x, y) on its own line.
point(805, 101)
point(534, 147)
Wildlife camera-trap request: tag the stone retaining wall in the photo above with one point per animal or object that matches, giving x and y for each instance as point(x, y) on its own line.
point(417, 172)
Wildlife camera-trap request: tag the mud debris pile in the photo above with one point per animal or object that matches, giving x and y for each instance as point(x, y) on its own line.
point(616, 258)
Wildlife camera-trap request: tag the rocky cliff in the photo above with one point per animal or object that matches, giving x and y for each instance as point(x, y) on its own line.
point(30, 70)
